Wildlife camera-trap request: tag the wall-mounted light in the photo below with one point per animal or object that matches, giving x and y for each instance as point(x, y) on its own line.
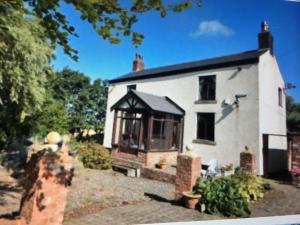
point(237, 99)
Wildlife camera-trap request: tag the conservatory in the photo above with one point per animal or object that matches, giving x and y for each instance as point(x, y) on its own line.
point(144, 125)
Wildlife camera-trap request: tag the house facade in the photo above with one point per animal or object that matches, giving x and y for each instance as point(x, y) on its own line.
point(217, 106)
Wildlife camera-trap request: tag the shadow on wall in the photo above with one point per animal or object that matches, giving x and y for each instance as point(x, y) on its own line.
point(226, 110)
point(235, 73)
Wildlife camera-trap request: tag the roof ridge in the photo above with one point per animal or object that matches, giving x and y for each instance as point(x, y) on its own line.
point(221, 61)
point(198, 60)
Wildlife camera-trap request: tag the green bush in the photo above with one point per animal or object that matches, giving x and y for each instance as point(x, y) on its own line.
point(230, 195)
point(94, 156)
point(222, 196)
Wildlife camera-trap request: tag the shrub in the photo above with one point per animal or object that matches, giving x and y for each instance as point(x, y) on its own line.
point(94, 156)
point(250, 186)
point(222, 196)
point(230, 195)
point(199, 186)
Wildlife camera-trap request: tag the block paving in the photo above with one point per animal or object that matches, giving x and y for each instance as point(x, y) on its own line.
point(139, 201)
point(106, 197)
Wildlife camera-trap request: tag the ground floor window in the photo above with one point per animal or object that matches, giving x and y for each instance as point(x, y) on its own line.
point(165, 133)
point(145, 131)
point(127, 132)
point(206, 126)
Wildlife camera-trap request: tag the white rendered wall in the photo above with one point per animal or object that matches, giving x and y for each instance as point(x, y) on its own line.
point(272, 116)
point(234, 128)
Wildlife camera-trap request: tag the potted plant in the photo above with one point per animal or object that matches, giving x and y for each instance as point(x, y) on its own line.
point(296, 176)
point(162, 164)
point(227, 170)
point(191, 198)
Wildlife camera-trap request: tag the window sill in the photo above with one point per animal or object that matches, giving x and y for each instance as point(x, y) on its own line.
point(202, 141)
point(205, 102)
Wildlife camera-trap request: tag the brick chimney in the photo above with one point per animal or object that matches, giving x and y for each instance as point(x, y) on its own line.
point(138, 63)
point(265, 38)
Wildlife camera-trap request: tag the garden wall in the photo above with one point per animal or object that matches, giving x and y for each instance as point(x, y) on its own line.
point(294, 150)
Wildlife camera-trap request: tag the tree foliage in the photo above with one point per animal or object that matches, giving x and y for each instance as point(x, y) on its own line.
point(29, 32)
point(293, 114)
point(85, 100)
point(53, 117)
point(111, 19)
point(25, 58)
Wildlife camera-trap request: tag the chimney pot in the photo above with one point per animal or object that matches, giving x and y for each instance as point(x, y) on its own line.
point(138, 63)
point(264, 26)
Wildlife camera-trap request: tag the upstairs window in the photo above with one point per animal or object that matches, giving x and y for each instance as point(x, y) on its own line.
point(279, 96)
point(131, 87)
point(206, 126)
point(207, 88)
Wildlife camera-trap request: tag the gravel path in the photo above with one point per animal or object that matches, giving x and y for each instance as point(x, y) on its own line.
point(106, 197)
point(94, 190)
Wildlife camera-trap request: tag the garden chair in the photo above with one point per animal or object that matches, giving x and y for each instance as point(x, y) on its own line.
point(211, 169)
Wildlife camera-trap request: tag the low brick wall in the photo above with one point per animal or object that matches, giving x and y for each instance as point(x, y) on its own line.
point(157, 174)
point(153, 157)
point(140, 156)
point(147, 158)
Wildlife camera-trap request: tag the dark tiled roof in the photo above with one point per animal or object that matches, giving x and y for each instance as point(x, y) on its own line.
point(243, 58)
point(152, 102)
point(159, 103)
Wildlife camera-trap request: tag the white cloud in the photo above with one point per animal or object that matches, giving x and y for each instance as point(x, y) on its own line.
point(212, 28)
point(292, 1)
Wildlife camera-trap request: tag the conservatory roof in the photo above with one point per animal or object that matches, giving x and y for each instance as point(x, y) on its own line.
point(137, 100)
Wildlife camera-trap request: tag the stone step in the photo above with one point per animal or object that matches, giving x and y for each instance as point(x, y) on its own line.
point(129, 171)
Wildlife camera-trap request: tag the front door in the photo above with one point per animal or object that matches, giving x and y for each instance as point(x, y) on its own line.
point(130, 135)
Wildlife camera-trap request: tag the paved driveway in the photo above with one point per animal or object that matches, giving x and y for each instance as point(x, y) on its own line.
point(105, 197)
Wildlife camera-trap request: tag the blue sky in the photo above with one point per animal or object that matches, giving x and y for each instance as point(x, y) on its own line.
point(217, 28)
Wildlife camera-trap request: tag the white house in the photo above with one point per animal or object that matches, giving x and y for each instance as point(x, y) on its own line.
point(217, 105)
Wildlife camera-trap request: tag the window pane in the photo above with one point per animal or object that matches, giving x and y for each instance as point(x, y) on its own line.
point(130, 130)
point(124, 139)
point(131, 87)
point(117, 130)
point(175, 135)
point(165, 134)
point(206, 126)
point(157, 135)
point(135, 131)
point(156, 129)
point(207, 88)
point(279, 96)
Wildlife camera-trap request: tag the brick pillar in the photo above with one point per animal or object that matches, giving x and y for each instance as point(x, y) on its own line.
point(248, 161)
point(188, 169)
point(44, 199)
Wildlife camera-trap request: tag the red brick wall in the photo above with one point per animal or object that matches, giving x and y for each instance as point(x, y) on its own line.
point(154, 157)
point(139, 156)
point(149, 159)
point(295, 150)
point(157, 174)
point(188, 170)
